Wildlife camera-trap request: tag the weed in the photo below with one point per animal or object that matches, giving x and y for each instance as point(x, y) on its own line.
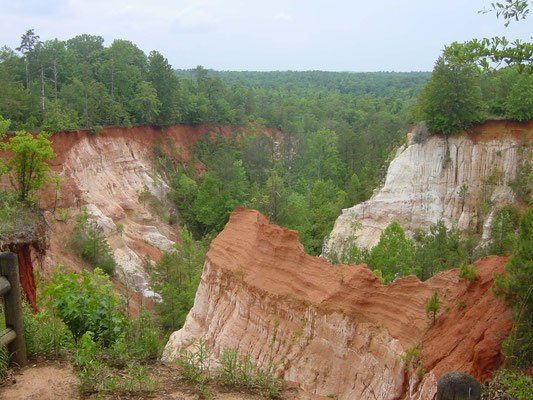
point(420, 372)
point(195, 365)
point(62, 214)
point(119, 227)
point(461, 303)
point(237, 372)
point(238, 272)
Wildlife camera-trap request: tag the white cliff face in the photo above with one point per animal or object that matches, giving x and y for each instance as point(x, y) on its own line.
point(424, 185)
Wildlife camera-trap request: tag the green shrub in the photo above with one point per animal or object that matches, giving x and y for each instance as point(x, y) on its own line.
point(420, 372)
point(411, 357)
point(143, 340)
point(85, 303)
point(518, 385)
point(461, 303)
point(467, 272)
point(119, 227)
point(96, 129)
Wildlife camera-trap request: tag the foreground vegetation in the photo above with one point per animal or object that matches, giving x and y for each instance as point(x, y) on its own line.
point(82, 321)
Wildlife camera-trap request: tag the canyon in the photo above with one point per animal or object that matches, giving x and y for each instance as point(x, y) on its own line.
point(329, 330)
point(336, 330)
point(113, 176)
point(440, 178)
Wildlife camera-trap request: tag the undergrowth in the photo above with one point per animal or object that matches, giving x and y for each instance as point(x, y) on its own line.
point(233, 370)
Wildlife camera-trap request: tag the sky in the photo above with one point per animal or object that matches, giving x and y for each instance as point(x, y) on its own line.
point(265, 35)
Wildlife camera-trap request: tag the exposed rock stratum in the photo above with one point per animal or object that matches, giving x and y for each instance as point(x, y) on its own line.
point(337, 330)
point(425, 184)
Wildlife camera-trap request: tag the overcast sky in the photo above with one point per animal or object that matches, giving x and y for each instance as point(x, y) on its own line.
point(333, 35)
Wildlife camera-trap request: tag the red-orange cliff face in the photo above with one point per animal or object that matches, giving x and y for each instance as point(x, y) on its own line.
point(113, 175)
point(338, 329)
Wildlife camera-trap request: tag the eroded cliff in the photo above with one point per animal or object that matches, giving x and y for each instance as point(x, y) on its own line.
point(426, 183)
point(338, 330)
point(113, 175)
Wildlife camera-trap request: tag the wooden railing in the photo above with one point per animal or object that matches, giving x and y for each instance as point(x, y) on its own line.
point(13, 335)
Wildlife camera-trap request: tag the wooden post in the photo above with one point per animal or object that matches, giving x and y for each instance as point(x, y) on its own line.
point(13, 308)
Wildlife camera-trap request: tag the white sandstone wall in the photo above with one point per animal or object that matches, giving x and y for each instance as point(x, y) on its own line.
point(422, 185)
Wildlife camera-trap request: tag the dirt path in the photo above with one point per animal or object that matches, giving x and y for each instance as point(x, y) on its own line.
point(56, 380)
point(48, 381)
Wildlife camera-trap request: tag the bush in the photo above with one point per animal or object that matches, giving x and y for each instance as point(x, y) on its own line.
point(517, 384)
point(467, 272)
point(85, 303)
point(90, 243)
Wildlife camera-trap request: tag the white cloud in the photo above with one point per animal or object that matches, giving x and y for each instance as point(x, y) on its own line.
point(284, 16)
point(194, 18)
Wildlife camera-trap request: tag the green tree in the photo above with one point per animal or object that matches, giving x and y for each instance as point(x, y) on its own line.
point(29, 41)
point(145, 104)
point(213, 205)
point(162, 77)
point(90, 243)
point(27, 167)
point(433, 307)
point(519, 104)
point(504, 226)
point(498, 50)
point(393, 255)
point(320, 158)
point(175, 278)
point(451, 101)
point(437, 250)
point(516, 286)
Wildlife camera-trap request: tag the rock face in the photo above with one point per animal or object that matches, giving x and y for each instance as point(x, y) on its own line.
point(424, 185)
point(335, 329)
point(112, 175)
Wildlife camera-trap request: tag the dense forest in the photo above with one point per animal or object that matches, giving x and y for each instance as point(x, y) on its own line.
point(333, 131)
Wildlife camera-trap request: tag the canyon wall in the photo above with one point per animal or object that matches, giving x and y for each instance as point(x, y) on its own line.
point(112, 174)
point(335, 330)
point(426, 183)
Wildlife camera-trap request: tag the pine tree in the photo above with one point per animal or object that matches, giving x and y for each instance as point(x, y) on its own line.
point(516, 285)
point(433, 307)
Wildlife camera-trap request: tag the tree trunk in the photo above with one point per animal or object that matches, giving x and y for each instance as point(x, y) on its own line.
point(55, 81)
point(113, 78)
point(43, 110)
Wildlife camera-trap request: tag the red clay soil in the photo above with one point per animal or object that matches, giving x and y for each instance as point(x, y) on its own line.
point(272, 264)
point(497, 128)
point(469, 338)
point(27, 278)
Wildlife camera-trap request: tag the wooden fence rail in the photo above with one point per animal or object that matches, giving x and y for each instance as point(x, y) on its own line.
point(13, 335)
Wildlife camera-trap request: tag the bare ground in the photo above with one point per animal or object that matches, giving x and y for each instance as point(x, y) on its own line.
point(51, 380)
